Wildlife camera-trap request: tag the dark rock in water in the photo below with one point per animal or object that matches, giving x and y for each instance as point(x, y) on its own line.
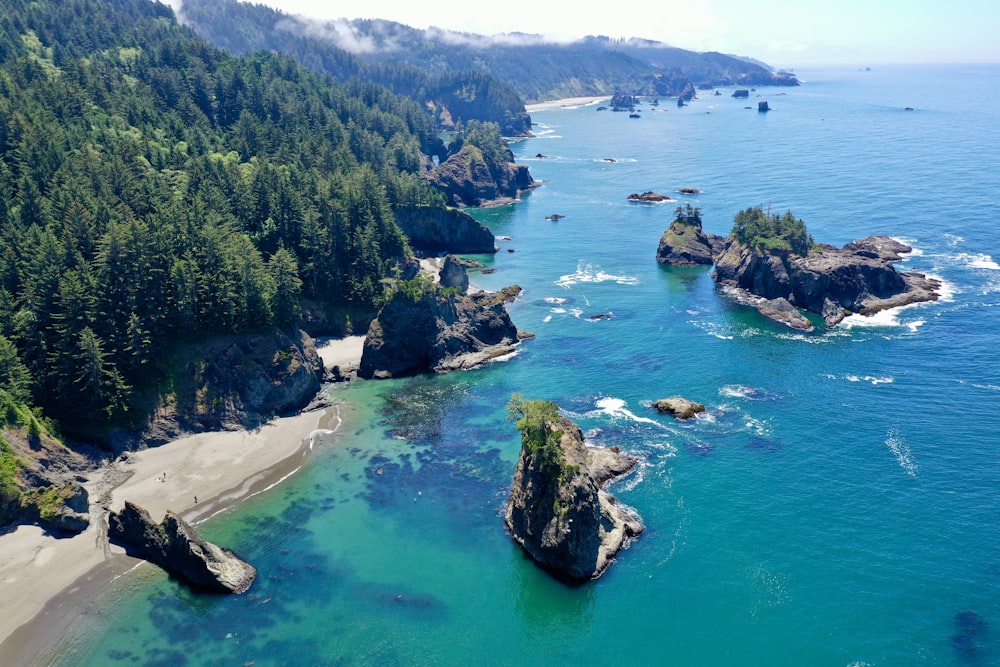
point(558, 511)
point(454, 273)
point(649, 197)
point(689, 191)
point(783, 312)
point(621, 102)
point(176, 547)
point(858, 278)
point(762, 106)
point(432, 231)
point(681, 408)
point(600, 316)
point(634, 115)
point(554, 217)
point(741, 93)
point(684, 243)
point(539, 156)
point(423, 329)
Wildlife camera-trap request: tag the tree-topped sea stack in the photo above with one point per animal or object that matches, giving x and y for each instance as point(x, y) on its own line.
point(557, 509)
point(684, 243)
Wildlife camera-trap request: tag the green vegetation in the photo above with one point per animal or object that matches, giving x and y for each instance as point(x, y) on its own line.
point(533, 418)
point(772, 233)
point(10, 490)
point(686, 215)
point(157, 191)
point(456, 94)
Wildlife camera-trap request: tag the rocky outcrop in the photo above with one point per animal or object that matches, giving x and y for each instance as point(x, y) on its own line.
point(466, 179)
point(454, 273)
point(783, 312)
point(176, 547)
point(432, 231)
point(623, 102)
point(858, 278)
point(558, 511)
point(684, 244)
point(424, 329)
point(649, 197)
point(678, 407)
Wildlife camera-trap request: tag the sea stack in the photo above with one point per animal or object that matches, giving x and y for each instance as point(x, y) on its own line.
point(176, 547)
point(557, 510)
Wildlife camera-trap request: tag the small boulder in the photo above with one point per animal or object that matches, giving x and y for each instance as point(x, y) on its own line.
point(681, 408)
point(783, 312)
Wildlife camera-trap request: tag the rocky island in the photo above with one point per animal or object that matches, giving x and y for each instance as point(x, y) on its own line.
point(775, 259)
point(558, 511)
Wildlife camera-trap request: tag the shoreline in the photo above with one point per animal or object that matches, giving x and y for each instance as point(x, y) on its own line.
point(566, 103)
point(49, 582)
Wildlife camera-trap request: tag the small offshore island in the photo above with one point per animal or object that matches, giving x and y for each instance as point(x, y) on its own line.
point(775, 259)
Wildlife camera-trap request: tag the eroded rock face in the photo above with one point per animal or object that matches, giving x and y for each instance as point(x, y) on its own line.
point(436, 332)
point(466, 179)
point(783, 312)
point(833, 282)
point(559, 513)
point(432, 231)
point(684, 244)
point(454, 273)
point(176, 547)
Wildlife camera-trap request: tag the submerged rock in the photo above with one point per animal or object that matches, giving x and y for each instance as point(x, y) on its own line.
point(557, 510)
point(176, 547)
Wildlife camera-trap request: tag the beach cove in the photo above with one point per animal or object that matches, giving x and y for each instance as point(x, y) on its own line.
point(49, 581)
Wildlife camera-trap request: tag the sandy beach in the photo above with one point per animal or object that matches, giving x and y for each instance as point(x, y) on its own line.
point(569, 102)
point(47, 581)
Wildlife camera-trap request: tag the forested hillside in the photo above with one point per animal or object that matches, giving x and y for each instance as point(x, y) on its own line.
point(488, 73)
point(456, 94)
point(156, 190)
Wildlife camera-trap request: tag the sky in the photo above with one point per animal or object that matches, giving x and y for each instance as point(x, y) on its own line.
point(782, 33)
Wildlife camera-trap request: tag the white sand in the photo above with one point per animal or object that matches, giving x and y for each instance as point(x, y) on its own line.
point(569, 102)
point(341, 352)
point(40, 573)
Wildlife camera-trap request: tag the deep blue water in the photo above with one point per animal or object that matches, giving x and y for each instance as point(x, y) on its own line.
point(839, 505)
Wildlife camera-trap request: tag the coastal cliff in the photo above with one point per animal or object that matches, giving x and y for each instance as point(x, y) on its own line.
point(434, 230)
point(424, 328)
point(176, 547)
point(467, 178)
point(557, 510)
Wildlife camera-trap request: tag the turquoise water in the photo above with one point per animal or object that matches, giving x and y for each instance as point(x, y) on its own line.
point(839, 505)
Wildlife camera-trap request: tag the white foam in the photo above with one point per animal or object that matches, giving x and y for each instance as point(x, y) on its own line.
point(558, 311)
point(978, 261)
point(869, 378)
point(577, 313)
point(615, 407)
point(894, 441)
point(548, 318)
point(555, 299)
point(588, 273)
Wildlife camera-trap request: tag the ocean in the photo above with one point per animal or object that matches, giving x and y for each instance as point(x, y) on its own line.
point(839, 503)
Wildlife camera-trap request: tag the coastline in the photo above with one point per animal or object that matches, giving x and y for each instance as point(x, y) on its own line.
point(48, 581)
point(567, 103)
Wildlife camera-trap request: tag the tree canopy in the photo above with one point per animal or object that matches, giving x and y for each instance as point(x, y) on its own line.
point(772, 233)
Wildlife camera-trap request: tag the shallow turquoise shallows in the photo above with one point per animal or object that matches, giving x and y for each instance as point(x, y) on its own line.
point(839, 504)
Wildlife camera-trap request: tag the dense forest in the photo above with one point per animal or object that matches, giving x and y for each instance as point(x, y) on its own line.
point(156, 190)
point(473, 76)
point(456, 94)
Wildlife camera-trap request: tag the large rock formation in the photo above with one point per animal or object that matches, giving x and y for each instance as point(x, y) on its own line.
point(422, 329)
point(432, 231)
point(676, 406)
point(467, 179)
point(684, 244)
point(176, 547)
point(858, 278)
point(557, 510)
